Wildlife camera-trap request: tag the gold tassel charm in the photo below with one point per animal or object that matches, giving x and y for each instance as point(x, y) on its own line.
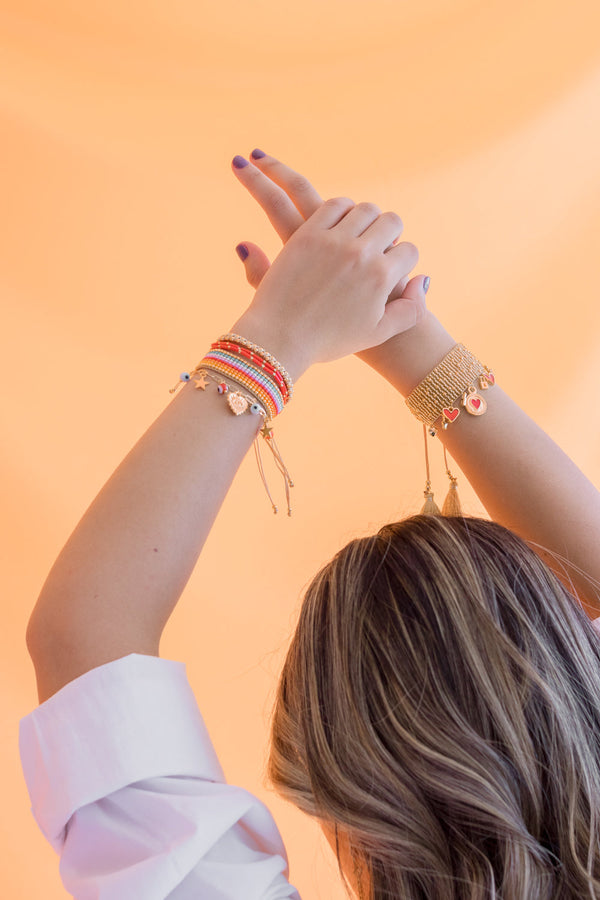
point(430, 507)
point(451, 505)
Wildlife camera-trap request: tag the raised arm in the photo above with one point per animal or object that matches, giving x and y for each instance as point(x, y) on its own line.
point(524, 480)
point(118, 578)
point(522, 477)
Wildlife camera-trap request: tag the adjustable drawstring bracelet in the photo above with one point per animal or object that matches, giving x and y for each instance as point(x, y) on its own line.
point(269, 388)
point(435, 397)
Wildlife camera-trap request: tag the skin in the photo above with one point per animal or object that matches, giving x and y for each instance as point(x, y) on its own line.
point(511, 478)
point(340, 285)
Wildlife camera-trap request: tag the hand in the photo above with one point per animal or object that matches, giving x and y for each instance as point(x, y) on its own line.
point(289, 201)
point(344, 288)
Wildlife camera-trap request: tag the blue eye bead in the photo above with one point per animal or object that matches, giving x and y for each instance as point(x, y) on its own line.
point(222, 388)
point(255, 409)
point(185, 376)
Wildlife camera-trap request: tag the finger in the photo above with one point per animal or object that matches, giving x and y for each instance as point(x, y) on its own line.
point(280, 210)
point(405, 312)
point(400, 261)
point(256, 263)
point(381, 230)
point(417, 288)
point(296, 186)
point(399, 288)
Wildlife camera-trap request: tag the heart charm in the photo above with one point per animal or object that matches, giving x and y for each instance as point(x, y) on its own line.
point(451, 414)
point(475, 405)
point(237, 402)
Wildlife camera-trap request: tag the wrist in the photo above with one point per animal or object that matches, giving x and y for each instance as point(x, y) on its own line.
point(287, 351)
point(408, 357)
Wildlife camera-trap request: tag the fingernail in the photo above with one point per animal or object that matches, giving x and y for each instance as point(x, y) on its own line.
point(242, 252)
point(239, 162)
point(426, 281)
point(257, 154)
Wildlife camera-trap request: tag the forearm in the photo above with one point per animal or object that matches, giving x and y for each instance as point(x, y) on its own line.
point(122, 571)
point(524, 480)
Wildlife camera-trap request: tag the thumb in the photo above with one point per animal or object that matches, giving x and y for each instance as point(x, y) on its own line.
point(255, 262)
point(406, 311)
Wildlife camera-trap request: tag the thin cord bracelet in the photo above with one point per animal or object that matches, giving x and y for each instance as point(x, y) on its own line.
point(258, 403)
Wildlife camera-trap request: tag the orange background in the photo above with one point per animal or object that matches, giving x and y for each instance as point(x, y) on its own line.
point(478, 122)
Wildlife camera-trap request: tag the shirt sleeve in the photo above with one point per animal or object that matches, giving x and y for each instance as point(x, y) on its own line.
point(126, 786)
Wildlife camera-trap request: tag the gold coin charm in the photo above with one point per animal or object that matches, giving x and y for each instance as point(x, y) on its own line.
point(473, 402)
point(237, 402)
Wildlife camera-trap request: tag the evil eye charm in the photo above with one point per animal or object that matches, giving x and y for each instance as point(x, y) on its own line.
point(473, 402)
point(185, 376)
point(256, 409)
point(222, 388)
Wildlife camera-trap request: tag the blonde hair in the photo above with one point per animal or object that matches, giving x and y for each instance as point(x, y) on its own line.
point(440, 704)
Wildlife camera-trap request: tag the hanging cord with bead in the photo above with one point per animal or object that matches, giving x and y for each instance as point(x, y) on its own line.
point(238, 403)
point(451, 505)
point(430, 507)
point(268, 435)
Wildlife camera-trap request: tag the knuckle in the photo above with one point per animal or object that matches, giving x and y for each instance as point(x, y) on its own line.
point(395, 218)
point(412, 251)
point(370, 208)
point(278, 201)
point(298, 184)
point(339, 202)
point(359, 251)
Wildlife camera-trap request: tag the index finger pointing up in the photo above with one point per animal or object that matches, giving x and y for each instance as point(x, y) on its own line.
point(287, 197)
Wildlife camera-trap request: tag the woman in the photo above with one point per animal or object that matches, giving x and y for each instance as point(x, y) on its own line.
point(439, 707)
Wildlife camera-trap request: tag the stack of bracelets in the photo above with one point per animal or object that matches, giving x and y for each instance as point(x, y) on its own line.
point(236, 359)
point(440, 395)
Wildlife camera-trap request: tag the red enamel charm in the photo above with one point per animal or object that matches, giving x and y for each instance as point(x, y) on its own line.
point(474, 404)
point(451, 414)
point(486, 380)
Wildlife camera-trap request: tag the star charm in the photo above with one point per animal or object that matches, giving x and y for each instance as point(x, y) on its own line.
point(201, 382)
point(267, 431)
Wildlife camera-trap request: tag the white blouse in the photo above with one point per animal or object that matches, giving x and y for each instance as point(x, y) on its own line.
point(125, 784)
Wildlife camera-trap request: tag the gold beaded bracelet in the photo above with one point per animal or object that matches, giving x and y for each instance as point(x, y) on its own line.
point(453, 377)
point(436, 395)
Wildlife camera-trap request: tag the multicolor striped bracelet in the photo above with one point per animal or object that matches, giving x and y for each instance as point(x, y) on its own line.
point(263, 377)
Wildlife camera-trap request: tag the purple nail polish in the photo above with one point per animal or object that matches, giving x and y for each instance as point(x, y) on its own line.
point(242, 251)
point(426, 281)
point(257, 154)
point(239, 162)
